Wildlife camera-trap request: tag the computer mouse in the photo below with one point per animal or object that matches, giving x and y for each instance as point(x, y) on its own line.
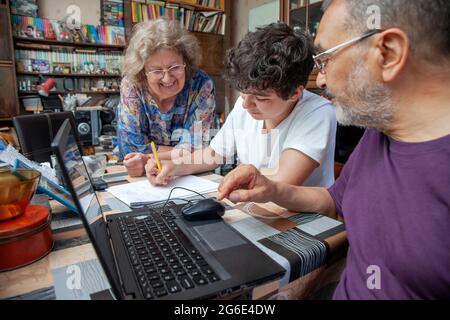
point(204, 209)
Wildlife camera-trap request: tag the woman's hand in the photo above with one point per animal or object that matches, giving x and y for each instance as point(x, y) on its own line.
point(168, 172)
point(246, 183)
point(135, 163)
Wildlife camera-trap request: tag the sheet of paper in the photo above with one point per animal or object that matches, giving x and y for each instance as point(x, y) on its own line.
point(143, 191)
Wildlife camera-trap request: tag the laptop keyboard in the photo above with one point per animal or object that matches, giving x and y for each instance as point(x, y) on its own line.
point(164, 260)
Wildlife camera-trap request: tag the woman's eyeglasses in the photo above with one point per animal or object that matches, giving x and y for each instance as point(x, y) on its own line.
point(175, 71)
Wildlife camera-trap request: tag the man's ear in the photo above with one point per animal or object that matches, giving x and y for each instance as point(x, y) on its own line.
point(297, 94)
point(394, 48)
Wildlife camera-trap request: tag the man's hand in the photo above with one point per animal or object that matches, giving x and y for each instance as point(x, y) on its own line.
point(246, 183)
point(135, 163)
point(163, 177)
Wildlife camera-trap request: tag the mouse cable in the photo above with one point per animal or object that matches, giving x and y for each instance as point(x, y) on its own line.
point(170, 194)
point(151, 204)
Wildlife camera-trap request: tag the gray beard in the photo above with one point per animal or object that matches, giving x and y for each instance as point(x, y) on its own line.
point(365, 103)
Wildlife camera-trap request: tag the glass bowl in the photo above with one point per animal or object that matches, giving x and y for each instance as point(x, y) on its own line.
point(16, 190)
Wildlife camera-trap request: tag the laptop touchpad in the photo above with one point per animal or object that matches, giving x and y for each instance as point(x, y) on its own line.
point(218, 236)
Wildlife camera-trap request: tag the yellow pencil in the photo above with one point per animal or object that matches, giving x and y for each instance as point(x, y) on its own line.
point(155, 154)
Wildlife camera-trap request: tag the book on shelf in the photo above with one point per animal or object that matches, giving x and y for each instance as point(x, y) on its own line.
point(113, 13)
point(208, 3)
point(32, 103)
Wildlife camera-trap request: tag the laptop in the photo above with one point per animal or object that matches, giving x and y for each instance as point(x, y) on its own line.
point(156, 254)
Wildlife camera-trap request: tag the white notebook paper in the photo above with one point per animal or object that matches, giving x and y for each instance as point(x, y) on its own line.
point(144, 191)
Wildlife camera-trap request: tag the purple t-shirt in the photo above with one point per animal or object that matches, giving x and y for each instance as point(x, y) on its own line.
point(395, 199)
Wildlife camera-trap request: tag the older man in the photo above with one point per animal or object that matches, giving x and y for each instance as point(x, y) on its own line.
point(394, 192)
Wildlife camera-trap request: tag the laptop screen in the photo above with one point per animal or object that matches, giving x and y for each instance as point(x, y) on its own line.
point(79, 177)
point(76, 176)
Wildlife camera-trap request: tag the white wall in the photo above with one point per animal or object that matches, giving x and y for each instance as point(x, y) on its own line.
point(263, 14)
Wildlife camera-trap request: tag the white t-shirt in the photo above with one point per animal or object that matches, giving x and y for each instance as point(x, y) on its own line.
point(310, 128)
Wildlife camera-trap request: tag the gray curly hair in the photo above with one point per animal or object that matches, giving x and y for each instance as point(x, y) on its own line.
point(148, 37)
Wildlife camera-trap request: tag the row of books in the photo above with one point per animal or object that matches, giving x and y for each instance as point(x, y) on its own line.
point(40, 28)
point(113, 13)
point(105, 34)
point(192, 20)
point(65, 62)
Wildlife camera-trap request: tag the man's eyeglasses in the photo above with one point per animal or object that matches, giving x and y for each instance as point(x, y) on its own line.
point(175, 71)
point(321, 60)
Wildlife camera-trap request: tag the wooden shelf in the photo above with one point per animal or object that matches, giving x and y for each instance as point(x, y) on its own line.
point(195, 6)
point(66, 92)
point(75, 75)
point(207, 33)
point(69, 44)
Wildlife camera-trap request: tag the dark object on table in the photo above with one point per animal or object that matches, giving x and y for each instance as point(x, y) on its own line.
point(36, 132)
point(99, 184)
point(205, 209)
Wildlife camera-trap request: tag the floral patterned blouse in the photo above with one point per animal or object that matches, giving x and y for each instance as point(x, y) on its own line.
point(187, 125)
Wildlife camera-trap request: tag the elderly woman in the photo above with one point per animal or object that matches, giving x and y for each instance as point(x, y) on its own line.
point(164, 97)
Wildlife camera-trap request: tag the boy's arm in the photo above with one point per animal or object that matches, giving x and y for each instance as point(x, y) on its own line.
point(201, 160)
point(293, 168)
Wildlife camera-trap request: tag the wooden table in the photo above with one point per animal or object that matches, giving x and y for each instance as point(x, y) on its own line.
point(72, 246)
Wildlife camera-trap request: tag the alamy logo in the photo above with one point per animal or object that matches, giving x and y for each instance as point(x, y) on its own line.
point(374, 20)
point(374, 280)
point(73, 18)
point(73, 281)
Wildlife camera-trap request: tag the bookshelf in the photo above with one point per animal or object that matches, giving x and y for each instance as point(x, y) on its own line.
point(82, 61)
point(194, 17)
point(9, 103)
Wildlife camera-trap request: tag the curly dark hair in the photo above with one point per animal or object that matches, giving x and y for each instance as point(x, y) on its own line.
point(273, 57)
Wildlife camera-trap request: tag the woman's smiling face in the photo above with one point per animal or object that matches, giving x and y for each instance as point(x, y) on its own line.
point(166, 73)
